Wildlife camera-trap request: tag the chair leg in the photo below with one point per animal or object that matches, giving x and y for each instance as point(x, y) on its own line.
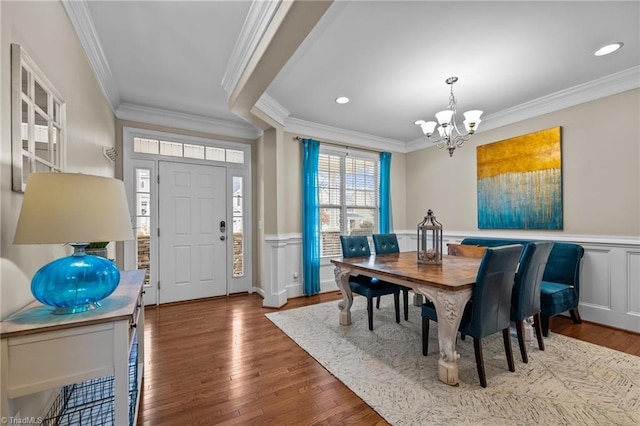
point(477, 348)
point(538, 328)
point(545, 325)
point(405, 300)
point(396, 301)
point(523, 347)
point(575, 316)
point(370, 312)
point(507, 348)
point(378, 302)
point(425, 336)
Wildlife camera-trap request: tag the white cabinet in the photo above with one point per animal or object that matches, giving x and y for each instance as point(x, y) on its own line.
point(96, 357)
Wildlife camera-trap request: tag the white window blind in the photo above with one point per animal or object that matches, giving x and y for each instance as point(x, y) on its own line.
point(348, 190)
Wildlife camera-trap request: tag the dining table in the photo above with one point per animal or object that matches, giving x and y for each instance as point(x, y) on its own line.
point(448, 286)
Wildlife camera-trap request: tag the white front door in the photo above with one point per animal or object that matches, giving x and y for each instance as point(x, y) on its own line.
point(192, 221)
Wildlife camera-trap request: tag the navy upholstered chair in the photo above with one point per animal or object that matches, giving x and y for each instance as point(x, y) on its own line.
point(489, 310)
point(385, 244)
point(357, 246)
point(525, 296)
point(560, 287)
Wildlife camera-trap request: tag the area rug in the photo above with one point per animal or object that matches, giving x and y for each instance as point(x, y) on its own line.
point(569, 383)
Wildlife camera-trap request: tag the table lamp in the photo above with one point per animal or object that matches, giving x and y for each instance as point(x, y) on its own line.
point(74, 209)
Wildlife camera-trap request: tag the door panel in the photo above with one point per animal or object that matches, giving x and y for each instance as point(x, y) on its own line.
point(193, 256)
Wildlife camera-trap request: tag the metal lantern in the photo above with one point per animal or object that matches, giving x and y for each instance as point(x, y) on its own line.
point(430, 240)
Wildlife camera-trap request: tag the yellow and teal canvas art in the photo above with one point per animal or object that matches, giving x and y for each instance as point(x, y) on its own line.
point(520, 182)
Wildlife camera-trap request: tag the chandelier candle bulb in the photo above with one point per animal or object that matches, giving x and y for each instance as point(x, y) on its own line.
point(444, 117)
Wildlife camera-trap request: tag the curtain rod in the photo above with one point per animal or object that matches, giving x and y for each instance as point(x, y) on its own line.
point(298, 138)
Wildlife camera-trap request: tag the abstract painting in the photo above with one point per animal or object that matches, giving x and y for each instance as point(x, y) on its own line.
point(520, 182)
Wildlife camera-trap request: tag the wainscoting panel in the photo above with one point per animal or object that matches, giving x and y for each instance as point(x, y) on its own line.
point(633, 283)
point(610, 276)
point(595, 278)
point(282, 269)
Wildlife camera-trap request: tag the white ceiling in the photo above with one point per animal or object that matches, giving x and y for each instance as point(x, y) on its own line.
point(390, 57)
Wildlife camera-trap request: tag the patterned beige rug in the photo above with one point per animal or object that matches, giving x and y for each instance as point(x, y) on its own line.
point(570, 383)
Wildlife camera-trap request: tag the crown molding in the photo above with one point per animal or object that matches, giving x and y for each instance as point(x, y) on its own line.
point(179, 120)
point(420, 143)
point(295, 125)
point(280, 114)
point(272, 108)
point(80, 18)
point(255, 25)
point(596, 89)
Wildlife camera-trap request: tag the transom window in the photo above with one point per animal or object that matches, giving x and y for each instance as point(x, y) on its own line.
point(348, 189)
point(187, 150)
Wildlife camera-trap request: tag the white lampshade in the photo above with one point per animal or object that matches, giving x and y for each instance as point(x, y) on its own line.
point(472, 125)
point(428, 127)
point(473, 116)
point(73, 208)
point(444, 117)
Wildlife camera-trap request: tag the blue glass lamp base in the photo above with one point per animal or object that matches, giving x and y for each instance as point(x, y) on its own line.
point(75, 283)
point(75, 309)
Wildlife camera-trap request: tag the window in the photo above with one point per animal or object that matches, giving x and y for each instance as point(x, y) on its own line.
point(348, 187)
point(38, 121)
point(187, 150)
point(143, 220)
point(238, 226)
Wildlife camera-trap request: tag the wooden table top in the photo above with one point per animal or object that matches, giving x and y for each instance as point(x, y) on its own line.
point(454, 274)
point(37, 318)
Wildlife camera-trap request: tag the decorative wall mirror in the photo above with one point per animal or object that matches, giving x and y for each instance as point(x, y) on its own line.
point(38, 121)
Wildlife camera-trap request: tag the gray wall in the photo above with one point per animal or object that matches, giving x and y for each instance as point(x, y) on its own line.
point(600, 170)
point(45, 32)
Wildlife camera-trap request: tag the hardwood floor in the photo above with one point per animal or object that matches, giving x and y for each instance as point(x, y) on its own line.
point(221, 361)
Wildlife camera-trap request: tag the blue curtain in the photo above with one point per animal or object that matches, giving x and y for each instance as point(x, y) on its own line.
point(385, 193)
point(310, 217)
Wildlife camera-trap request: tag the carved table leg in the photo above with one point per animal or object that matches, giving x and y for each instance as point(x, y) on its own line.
point(342, 279)
point(449, 308)
point(417, 299)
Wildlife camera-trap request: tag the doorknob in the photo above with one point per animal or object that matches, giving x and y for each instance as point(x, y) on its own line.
point(222, 238)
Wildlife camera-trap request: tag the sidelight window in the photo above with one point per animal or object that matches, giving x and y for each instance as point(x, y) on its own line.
point(143, 221)
point(238, 226)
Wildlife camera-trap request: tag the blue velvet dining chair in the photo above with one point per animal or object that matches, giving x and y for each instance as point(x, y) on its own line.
point(386, 244)
point(525, 296)
point(560, 287)
point(358, 246)
point(489, 309)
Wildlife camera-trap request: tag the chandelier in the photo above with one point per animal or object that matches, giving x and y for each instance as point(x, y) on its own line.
point(449, 134)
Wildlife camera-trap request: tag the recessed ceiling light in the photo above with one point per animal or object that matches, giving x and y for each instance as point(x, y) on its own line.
point(342, 100)
point(609, 48)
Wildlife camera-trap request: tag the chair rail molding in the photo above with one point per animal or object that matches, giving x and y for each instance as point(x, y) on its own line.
point(609, 289)
point(282, 269)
